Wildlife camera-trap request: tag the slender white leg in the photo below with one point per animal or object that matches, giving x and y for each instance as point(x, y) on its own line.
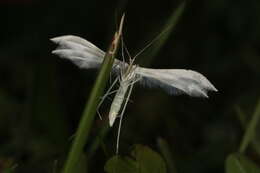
point(121, 118)
point(109, 92)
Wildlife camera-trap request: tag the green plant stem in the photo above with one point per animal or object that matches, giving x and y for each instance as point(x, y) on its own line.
point(164, 35)
point(91, 106)
point(87, 118)
point(250, 130)
point(98, 140)
point(242, 118)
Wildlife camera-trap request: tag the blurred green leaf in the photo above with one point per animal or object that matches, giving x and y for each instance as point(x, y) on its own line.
point(237, 163)
point(142, 160)
point(167, 154)
point(10, 170)
point(118, 164)
point(148, 160)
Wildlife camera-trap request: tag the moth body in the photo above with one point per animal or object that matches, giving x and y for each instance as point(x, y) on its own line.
point(127, 79)
point(116, 104)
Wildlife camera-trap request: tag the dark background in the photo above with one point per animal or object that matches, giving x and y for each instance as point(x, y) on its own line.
point(42, 97)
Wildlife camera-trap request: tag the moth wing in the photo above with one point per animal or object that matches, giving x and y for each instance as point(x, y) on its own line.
point(176, 81)
point(81, 52)
point(80, 42)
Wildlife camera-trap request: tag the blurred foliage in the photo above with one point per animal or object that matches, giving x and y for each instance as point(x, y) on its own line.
point(254, 138)
point(165, 149)
point(237, 163)
point(141, 160)
point(249, 134)
point(42, 96)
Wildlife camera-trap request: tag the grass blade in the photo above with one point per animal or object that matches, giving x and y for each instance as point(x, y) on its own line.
point(242, 118)
point(250, 130)
point(161, 39)
point(91, 106)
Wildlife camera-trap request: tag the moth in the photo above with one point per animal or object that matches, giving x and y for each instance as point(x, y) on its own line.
point(174, 81)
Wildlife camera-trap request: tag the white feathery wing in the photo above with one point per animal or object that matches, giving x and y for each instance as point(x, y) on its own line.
point(174, 81)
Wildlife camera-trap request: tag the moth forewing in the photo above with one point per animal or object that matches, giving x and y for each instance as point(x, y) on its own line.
point(77, 43)
point(176, 81)
point(76, 40)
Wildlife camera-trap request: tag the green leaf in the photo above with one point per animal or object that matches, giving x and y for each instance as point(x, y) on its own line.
point(237, 163)
point(142, 160)
point(167, 155)
point(148, 160)
point(119, 164)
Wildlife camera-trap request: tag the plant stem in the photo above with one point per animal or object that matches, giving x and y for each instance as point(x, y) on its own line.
point(242, 118)
point(91, 106)
point(250, 129)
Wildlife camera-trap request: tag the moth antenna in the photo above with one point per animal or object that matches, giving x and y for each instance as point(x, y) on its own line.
point(131, 60)
point(122, 50)
point(123, 57)
point(126, 49)
point(151, 42)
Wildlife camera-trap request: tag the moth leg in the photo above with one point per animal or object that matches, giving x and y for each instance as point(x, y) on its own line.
point(109, 92)
point(121, 118)
point(102, 100)
point(132, 83)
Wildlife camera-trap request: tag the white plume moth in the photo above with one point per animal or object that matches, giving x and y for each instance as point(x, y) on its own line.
point(174, 81)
